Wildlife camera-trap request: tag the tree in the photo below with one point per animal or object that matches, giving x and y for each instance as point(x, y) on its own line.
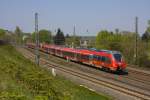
point(18, 31)
point(67, 35)
point(45, 36)
point(2, 33)
point(18, 35)
point(6, 36)
point(146, 36)
point(123, 42)
point(102, 39)
point(72, 41)
point(59, 39)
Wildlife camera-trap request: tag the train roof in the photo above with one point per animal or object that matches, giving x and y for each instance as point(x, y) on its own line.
point(87, 52)
point(106, 51)
point(91, 51)
point(69, 49)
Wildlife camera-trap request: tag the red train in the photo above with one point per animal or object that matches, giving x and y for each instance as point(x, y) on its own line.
point(111, 60)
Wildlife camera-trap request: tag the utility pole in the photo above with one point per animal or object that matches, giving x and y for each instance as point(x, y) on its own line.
point(148, 23)
point(37, 57)
point(74, 36)
point(87, 42)
point(136, 40)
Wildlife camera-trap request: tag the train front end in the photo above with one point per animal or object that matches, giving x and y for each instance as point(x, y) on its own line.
point(118, 63)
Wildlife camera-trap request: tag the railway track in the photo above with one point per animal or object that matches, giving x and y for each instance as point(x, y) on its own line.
point(143, 76)
point(129, 79)
point(92, 78)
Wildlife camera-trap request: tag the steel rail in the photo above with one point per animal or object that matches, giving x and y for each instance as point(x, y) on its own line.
point(138, 79)
point(94, 80)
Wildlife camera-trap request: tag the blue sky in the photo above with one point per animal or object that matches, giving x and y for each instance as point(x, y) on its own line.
point(94, 15)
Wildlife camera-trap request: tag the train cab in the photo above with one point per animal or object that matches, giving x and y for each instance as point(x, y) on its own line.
point(112, 60)
point(118, 61)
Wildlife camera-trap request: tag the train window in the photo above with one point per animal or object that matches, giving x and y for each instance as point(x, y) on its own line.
point(58, 51)
point(117, 57)
point(70, 54)
point(107, 60)
point(66, 53)
point(103, 59)
point(53, 50)
point(78, 56)
point(90, 56)
point(95, 57)
point(85, 57)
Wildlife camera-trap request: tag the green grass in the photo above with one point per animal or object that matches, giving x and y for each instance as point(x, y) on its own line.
point(20, 79)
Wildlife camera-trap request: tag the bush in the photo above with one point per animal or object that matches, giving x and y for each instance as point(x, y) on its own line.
point(144, 60)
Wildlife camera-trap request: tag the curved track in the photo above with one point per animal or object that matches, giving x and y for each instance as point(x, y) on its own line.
point(131, 79)
point(95, 80)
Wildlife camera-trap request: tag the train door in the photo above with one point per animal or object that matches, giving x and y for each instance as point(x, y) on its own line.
point(91, 59)
point(75, 57)
point(103, 61)
point(106, 62)
point(78, 57)
point(97, 61)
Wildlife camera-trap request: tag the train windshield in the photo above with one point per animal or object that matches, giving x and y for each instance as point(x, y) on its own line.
point(118, 57)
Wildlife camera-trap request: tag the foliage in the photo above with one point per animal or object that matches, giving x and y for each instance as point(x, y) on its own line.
point(146, 38)
point(22, 80)
point(143, 48)
point(59, 39)
point(5, 35)
point(45, 36)
point(27, 38)
point(124, 43)
point(72, 41)
point(143, 57)
point(146, 35)
point(2, 33)
point(108, 40)
point(18, 35)
point(100, 40)
point(91, 44)
point(18, 31)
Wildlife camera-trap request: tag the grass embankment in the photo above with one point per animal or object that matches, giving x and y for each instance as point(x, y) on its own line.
point(20, 79)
